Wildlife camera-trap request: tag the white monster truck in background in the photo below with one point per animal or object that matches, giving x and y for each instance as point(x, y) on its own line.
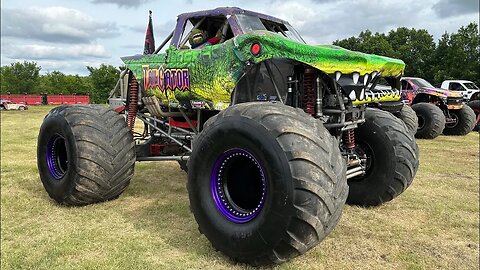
point(9, 105)
point(471, 95)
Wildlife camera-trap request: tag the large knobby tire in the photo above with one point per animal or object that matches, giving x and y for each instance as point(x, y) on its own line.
point(392, 159)
point(475, 105)
point(465, 122)
point(85, 154)
point(409, 117)
point(431, 120)
point(266, 182)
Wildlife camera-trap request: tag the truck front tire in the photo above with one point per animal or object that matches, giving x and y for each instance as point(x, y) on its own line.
point(266, 182)
point(431, 120)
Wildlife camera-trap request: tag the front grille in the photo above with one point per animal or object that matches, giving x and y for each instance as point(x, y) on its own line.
point(454, 101)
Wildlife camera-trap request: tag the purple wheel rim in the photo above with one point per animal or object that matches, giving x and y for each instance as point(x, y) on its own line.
point(219, 182)
point(57, 161)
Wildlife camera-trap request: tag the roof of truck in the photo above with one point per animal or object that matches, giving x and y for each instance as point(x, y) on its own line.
point(229, 11)
point(462, 81)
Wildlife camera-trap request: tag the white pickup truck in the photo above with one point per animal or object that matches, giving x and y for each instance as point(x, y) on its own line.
point(469, 90)
point(471, 94)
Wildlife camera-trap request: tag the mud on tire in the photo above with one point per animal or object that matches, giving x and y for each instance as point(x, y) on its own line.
point(85, 154)
point(431, 120)
point(466, 121)
point(392, 159)
point(266, 182)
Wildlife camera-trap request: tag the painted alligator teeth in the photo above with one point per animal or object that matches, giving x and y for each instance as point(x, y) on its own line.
point(365, 79)
point(362, 94)
point(338, 74)
point(352, 95)
point(355, 77)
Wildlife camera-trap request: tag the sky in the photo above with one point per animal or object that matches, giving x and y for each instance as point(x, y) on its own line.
point(68, 35)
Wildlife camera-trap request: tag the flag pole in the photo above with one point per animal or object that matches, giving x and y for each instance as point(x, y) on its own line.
point(149, 47)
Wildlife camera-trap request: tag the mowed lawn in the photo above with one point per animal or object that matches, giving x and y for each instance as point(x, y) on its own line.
point(433, 225)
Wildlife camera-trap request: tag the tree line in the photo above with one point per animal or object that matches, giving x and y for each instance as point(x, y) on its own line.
point(25, 78)
point(455, 56)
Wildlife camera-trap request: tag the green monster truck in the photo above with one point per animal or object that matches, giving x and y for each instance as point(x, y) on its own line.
point(276, 135)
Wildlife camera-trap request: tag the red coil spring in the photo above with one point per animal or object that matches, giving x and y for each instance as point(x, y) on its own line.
point(348, 137)
point(133, 103)
point(309, 92)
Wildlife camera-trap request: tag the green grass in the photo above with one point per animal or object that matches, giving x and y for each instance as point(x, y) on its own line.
point(433, 225)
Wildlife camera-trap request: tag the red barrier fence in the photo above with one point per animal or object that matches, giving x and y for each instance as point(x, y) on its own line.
point(24, 99)
point(67, 99)
point(47, 99)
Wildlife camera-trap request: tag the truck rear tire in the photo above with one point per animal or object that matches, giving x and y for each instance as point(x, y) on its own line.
point(409, 117)
point(85, 154)
point(475, 105)
point(465, 122)
point(266, 182)
point(392, 159)
point(431, 120)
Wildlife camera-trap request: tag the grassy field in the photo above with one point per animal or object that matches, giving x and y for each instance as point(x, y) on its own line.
point(433, 225)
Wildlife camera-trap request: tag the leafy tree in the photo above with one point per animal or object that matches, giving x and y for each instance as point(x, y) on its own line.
point(103, 80)
point(367, 42)
point(19, 78)
point(459, 55)
point(56, 82)
point(415, 48)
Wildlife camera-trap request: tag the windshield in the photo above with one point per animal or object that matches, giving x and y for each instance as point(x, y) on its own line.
point(470, 86)
point(421, 83)
point(250, 23)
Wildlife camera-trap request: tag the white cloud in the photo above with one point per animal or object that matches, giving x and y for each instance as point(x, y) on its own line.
point(123, 3)
point(54, 24)
point(38, 52)
point(295, 12)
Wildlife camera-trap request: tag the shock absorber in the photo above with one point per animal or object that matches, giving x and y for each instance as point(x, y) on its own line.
point(348, 138)
point(309, 91)
point(133, 103)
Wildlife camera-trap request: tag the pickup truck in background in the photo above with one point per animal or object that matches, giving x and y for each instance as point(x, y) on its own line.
point(471, 95)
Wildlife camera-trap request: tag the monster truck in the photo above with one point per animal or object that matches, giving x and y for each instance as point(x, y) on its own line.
point(277, 133)
point(438, 110)
point(471, 95)
point(9, 105)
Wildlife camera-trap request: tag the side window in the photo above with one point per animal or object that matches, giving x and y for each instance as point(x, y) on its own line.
point(406, 85)
point(281, 29)
point(186, 32)
point(205, 31)
point(455, 86)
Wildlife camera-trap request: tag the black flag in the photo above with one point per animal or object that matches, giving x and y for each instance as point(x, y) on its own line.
point(149, 47)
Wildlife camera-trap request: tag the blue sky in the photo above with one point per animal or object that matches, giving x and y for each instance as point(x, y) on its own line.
point(69, 35)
